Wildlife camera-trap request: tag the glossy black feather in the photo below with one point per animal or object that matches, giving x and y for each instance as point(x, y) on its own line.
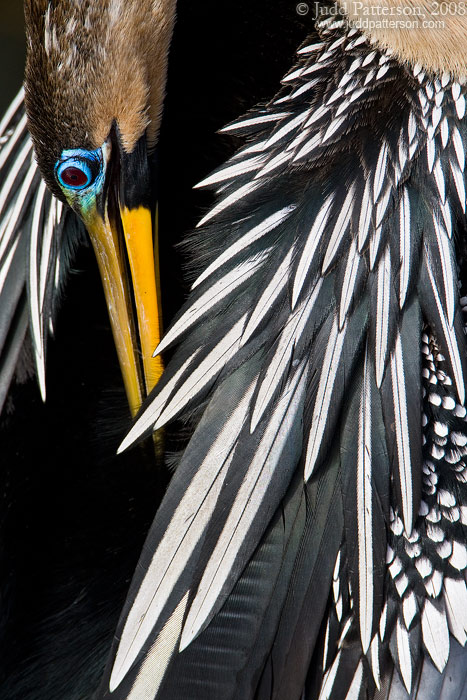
point(330, 247)
point(34, 256)
point(67, 505)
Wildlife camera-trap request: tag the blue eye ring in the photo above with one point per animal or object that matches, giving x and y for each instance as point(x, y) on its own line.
point(78, 169)
point(74, 174)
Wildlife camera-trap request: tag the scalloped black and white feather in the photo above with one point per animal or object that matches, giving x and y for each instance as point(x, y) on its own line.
point(312, 542)
point(31, 227)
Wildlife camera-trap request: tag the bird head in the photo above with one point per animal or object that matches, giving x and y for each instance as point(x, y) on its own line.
point(94, 88)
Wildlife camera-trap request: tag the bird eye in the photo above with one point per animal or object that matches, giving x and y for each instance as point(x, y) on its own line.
point(76, 174)
point(78, 169)
point(74, 177)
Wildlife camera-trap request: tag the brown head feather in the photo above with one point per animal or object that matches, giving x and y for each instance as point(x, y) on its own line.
point(90, 62)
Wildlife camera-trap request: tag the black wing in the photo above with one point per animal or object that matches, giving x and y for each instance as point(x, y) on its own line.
point(313, 535)
point(34, 252)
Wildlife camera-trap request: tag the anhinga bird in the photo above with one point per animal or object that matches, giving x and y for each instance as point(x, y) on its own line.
point(99, 165)
point(39, 232)
point(312, 541)
point(70, 513)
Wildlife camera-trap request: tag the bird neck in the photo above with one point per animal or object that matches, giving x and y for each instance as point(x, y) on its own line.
point(429, 33)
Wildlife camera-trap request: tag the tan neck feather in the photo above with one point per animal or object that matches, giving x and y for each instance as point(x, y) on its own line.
point(90, 63)
point(433, 34)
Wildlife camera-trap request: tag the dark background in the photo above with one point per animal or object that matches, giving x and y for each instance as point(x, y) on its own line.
point(12, 49)
point(72, 516)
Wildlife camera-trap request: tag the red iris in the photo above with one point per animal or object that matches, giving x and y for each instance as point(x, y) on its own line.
point(74, 177)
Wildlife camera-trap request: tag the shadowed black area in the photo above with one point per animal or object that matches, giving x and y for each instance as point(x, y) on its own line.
point(73, 517)
point(12, 47)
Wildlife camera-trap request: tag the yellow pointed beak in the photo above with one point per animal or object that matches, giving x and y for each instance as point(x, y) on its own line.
point(142, 250)
point(136, 335)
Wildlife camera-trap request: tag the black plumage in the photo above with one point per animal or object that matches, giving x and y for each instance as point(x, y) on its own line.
point(312, 507)
point(312, 541)
point(72, 515)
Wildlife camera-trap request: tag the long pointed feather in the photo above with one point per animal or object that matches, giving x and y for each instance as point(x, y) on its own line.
point(404, 657)
point(455, 596)
point(153, 669)
point(382, 314)
point(323, 396)
point(14, 106)
point(364, 511)
point(203, 373)
point(181, 537)
point(349, 282)
point(380, 171)
point(404, 238)
point(402, 433)
point(268, 297)
point(151, 413)
point(219, 290)
point(449, 337)
point(7, 262)
point(247, 239)
point(459, 183)
point(366, 210)
point(310, 248)
point(20, 204)
point(232, 170)
point(354, 690)
point(20, 130)
point(13, 173)
point(449, 274)
point(231, 199)
point(282, 357)
point(435, 633)
point(244, 510)
point(340, 228)
point(34, 293)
